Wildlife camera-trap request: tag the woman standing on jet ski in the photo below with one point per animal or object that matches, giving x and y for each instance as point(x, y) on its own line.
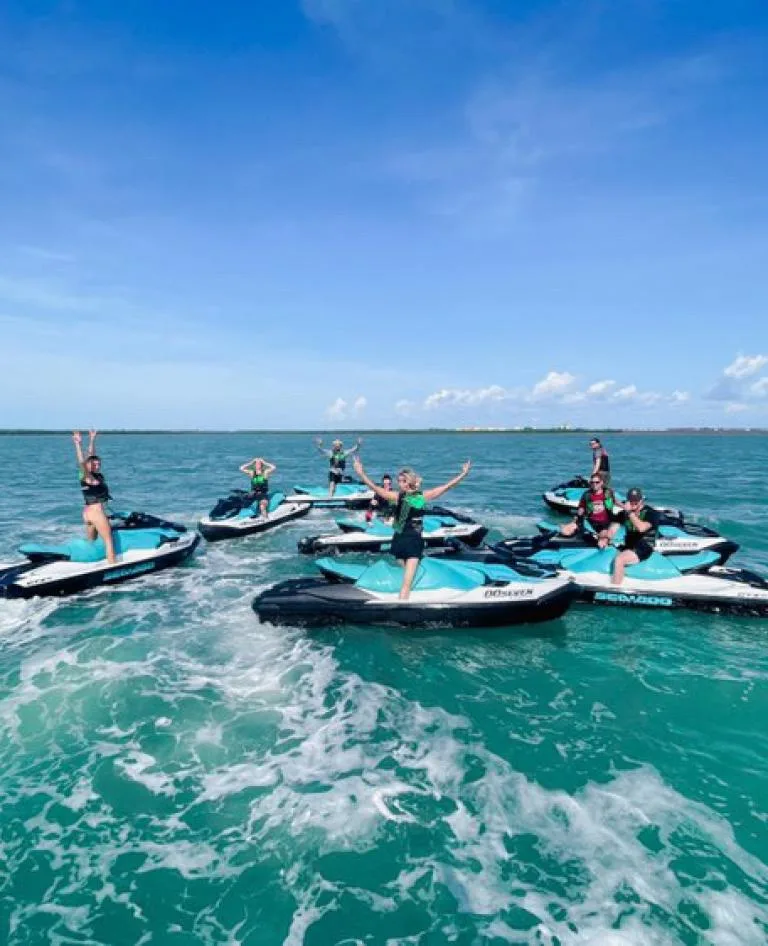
point(95, 494)
point(337, 457)
point(259, 470)
point(409, 501)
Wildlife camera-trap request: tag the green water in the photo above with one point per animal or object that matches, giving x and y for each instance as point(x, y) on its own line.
point(171, 772)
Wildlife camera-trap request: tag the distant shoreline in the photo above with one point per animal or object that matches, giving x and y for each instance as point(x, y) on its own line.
point(350, 432)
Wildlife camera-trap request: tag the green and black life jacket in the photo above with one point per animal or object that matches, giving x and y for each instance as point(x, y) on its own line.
point(409, 512)
point(649, 534)
point(609, 502)
point(258, 482)
point(338, 461)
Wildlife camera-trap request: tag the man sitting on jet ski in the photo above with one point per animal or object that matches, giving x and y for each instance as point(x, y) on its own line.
point(381, 507)
point(337, 457)
point(410, 500)
point(259, 470)
point(641, 523)
point(598, 506)
point(95, 494)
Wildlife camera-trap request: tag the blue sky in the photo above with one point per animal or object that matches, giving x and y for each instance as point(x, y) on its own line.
point(383, 213)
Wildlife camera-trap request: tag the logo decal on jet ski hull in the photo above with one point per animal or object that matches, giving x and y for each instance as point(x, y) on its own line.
point(612, 597)
point(504, 593)
point(131, 570)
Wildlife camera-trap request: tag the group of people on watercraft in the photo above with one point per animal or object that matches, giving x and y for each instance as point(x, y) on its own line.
point(403, 505)
point(602, 511)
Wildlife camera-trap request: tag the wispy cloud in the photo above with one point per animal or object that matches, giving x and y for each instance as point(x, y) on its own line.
point(341, 409)
point(736, 384)
point(556, 387)
point(744, 366)
point(526, 126)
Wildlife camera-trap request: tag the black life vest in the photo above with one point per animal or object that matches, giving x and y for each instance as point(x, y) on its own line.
point(94, 492)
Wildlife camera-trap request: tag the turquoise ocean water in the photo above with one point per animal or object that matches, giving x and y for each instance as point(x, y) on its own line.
point(171, 772)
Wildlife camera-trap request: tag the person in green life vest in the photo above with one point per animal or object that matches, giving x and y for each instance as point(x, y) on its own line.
point(598, 506)
point(259, 472)
point(409, 501)
point(337, 457)
point(95, 494)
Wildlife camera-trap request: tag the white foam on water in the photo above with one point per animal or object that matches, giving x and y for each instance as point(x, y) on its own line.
point(235, 779)
point(141, 767)
point(331, 762)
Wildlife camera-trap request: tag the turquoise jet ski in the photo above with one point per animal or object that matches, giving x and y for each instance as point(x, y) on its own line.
point(143, 544)
point(235, 516)
point(675, 537)
point(347, 495)
point(441, 527)
point(443, 594)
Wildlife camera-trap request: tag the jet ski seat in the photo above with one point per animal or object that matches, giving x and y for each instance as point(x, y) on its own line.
point(85, 552)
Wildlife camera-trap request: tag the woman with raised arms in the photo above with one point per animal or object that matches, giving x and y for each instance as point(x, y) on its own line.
point(95, 494)
point(259, 470)
point(409, 501)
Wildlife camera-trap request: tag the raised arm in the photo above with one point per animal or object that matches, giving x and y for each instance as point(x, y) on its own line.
point(77, 438)
point(247, 467)
point(388, 494)
point(92, 442)
point(437, 491)
point(348, 453)
point(269, 468)
point(319, 445)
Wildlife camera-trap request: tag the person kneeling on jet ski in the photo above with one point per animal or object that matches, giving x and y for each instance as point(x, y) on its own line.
point(640, 523)
point(381, 507)
point(95, 494)
point(410, 500)
point(259, 470)
point(599, 508)
point(337, 457)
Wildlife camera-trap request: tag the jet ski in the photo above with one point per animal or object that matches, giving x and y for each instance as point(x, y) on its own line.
point(565, 497)
point(675, 537)
point(349, 494)
point(143, 544)
point(671, 581)
point(476, 595)
point(234, 516)
point(441, 527)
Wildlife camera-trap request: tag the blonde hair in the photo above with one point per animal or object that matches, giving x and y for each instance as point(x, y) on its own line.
point(412, 479)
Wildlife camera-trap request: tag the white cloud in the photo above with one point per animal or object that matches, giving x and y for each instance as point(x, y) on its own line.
point(745, 365)
point(555, 383)
point(735, 407)
point(359, 405)
point(599, 388)
point(464, 397)
point(404, 407)
point(679, 397)
point(337, 410)
point(627, 393)
point(759, 388)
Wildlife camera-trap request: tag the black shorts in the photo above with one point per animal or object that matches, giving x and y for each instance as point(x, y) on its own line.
point(335, 476)
point(407, 545)
point(643, 549)
point(256, 495)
